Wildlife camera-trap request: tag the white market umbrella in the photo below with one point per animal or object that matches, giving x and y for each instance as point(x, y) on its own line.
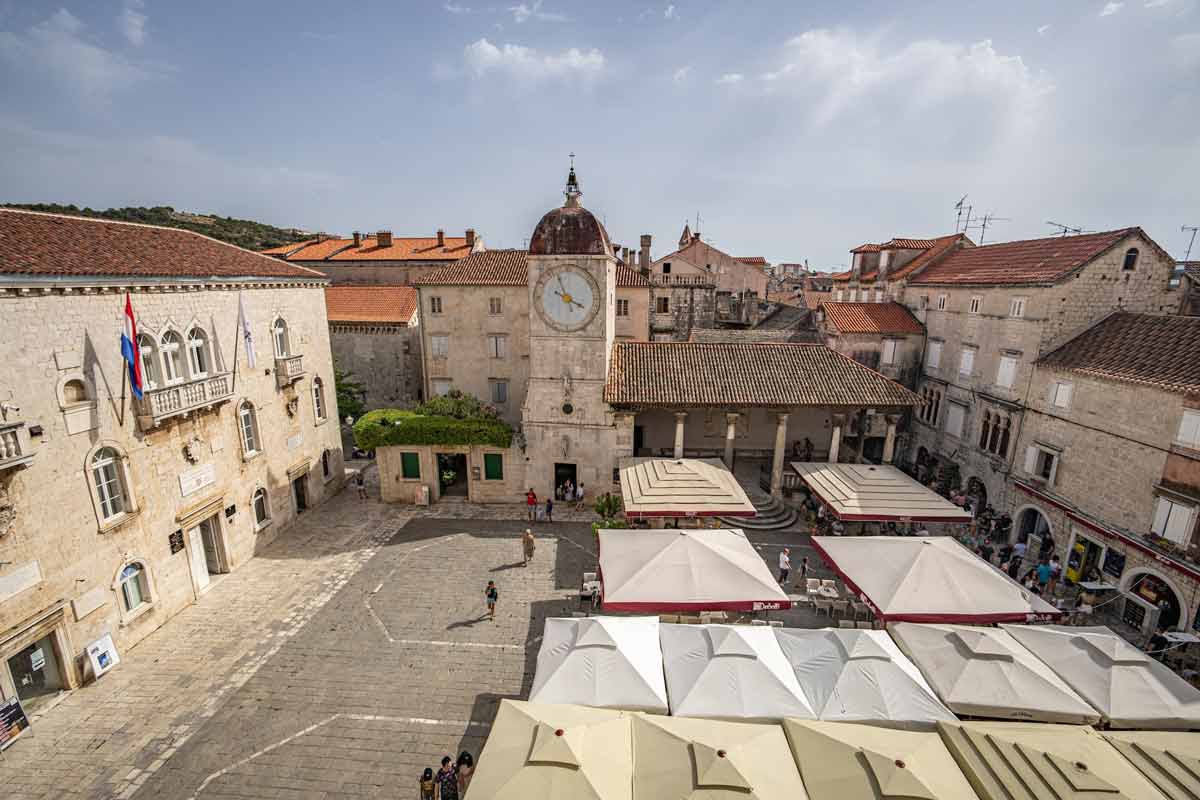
point(609, 662)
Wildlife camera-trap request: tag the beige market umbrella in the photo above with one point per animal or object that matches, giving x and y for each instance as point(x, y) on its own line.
point(1169, 759)
point(1036, 761)
point(676, 758)
point(538, 751)
point(845, 761)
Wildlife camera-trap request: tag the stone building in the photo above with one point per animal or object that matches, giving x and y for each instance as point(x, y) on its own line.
point(1107, 462)
point(880, 272)
point(694, 256)
point(382, 259)
point(883, 336)
point(1189, 284)
point(374, 336)
point(989, 313)
point(117, 512)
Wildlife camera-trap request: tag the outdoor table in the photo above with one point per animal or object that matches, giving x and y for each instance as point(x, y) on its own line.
point(1178, 637)
point(829, 592)
point(1095, 586)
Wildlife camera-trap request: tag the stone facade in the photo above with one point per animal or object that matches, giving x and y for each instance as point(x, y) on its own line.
point(481, 482)
point(697, 257)
point(680, 304)
point(867, 349)
point(634, 325)
point(175, 461)
point(384, 357)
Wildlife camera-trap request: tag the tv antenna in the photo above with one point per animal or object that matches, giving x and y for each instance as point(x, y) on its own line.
point(1192, 241)
point(962, 208)
point(987, 220)
point(1063, 230)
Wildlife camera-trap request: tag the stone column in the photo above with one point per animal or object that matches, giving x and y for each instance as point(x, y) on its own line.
point(889, 444)
point(680, 416)
point(730, 433)
point(835, 439)
point(781, 421)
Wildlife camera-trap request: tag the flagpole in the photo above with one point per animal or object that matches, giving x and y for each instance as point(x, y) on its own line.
point(238, 342)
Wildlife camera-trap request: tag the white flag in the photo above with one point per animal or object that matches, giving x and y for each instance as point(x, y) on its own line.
point(247, 333)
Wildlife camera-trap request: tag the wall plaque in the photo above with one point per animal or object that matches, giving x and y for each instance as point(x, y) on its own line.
point(193, 480)
point(23, 577)
point(176, 541)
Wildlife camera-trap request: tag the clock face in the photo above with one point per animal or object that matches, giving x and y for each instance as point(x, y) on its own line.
point(567, 298)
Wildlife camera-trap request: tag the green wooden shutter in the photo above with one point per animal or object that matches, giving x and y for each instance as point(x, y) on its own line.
point(410, 465)
point(493, 466)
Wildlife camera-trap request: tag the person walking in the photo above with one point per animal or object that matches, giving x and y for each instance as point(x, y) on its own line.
point(785, 565)
point(446, 781)
point(528, 545)
point(426, 785)
point(1044, 572)
point(803, 572)
point(1055, 573)
point(579, 497)
point(465, 767)
point(360, 483)
point(549, 509)
point(531, 504)
point(491, 594)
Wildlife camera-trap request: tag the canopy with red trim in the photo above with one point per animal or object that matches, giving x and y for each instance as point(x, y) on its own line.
point(875, 493)
point(929, 579)
point(681, 487)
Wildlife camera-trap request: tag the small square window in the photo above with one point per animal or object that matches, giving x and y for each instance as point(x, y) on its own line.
point(495, 306)
point(622, 308)
point(493, 466)
point(666, 268)
point(410, 465)
point(435, 305)
point(1016, 307)
point(976, 304)
point(662, 305)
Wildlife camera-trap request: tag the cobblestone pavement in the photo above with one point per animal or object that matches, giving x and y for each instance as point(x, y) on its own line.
point(349, 655)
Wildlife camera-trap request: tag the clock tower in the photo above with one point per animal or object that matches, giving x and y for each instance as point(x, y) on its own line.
point(568, 428)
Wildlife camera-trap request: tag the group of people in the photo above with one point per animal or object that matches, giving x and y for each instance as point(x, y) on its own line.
point(1041, 579)
point(567, 493)
point(785, 568)
point(451, 781)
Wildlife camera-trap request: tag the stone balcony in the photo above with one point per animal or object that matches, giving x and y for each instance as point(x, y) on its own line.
point(163, 403)
point(14, 446)
point(288, 370)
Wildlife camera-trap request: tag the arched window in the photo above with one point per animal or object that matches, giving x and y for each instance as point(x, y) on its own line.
point(248, 425)
point(325, 468)
point(262, 508)
point(170, 345)
point(134, 591)
point(319, 399)
point(279, 332)
point(987, 426)
point(74, 391)
point(198, 359)
point(110, 487)
point(1131, 257)
point(148, 354)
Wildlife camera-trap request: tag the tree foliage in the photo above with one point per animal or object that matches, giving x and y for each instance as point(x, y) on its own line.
point(456, 418)
point(349, 395)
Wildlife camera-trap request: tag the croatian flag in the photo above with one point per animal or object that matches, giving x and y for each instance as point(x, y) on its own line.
point(129, 350)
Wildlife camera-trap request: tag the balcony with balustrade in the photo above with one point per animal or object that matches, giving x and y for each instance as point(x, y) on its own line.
point(179, 399)
point(288, 370)
point(14, 446)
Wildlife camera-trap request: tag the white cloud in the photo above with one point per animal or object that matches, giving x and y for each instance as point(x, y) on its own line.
point(133, 22)
point(58, 48)
point(670, 12)
point(526, 11)
point(454, 9)
point(529, 64)
point(731, 78)
point(1157, 3)
point(1042, 29)
point(682, 74)
point(1111, 8)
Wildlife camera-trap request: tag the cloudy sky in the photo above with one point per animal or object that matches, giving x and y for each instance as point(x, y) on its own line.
point(796, 130)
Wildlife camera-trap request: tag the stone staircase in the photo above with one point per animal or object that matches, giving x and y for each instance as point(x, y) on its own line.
point(773, 515)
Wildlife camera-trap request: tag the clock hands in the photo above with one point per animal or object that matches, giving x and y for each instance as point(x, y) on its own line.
point(568, 299)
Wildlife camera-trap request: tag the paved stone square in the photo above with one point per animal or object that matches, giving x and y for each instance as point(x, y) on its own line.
point(349, 655)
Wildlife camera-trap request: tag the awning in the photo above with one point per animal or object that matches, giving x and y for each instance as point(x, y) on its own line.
point(681, 487)
point(875, 493)
point(929, 579)
point(685, 570)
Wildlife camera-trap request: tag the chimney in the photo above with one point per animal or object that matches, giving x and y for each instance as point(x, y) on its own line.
point(644, 260)
point(357, 238)
point(384, 238)
point(625, 255)
point(470, 238)
point(441, 238)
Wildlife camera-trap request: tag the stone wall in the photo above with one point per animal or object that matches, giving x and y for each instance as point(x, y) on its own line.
point(636, 326)
point(395, 488)
point(378, 273)
point(867, 349)
point(689, 307)
point(384, 358)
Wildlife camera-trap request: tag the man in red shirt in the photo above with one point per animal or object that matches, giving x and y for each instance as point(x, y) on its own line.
point(531, 503)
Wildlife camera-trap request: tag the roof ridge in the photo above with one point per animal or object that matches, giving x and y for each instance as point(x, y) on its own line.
point(1076, 237)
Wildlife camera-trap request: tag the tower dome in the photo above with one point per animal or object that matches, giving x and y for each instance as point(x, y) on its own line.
point(570, 230)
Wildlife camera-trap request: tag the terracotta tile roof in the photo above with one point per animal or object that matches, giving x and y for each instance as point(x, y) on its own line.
point(33, 243)
point(867, 248)
point(1160, 351)
point(1030, 261)
point(1192, 268)
point(813, 299)
point(871, 318)
point(755, 336)
point(284, 249)
point(940, 247)
point(412, 248)
point(696, 374)
point(486, 268)
point(628, 277)
point(757, 261)
point(908, 244)
point(395, 304)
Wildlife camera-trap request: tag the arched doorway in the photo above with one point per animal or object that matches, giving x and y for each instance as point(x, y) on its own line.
point(1031, 522)
point(1158, 592)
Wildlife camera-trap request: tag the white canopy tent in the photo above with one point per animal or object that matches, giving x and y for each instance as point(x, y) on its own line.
point(985, 672)
point(860, 676)
point(609, 662)
point(685, 570)
point(729, 672)
point(929, 579)
point(1129, 688)
point(681, 487)
point(875, 493)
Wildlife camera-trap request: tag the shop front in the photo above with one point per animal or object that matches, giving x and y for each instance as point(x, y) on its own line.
point(1085, 557)
point(35, 664)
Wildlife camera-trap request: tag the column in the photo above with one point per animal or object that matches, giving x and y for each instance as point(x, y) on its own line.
point(680, 416)
point(861, 417)
point(730, 433)
point(781, 421)
point(889, 444)
point(835, 440)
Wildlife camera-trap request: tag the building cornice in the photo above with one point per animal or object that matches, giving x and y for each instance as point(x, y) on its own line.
point(25, 285)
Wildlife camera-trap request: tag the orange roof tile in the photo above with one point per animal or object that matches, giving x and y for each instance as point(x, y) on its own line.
point(413, 248)
point(867, 248)
point(285, 249)
point(486, 268)
point(395, 304)
point(908, 244)
point(871, 318)
point(628, 277)
point(757, 261)
point(940, 247)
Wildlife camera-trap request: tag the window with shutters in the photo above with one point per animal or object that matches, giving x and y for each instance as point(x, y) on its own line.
point(853, 296)
point(1007, 372)
point(1061, 395)
point(976, 304)
point(942, 301)
point(933, 354)
point(1016, 307)
point(493, 466)
point(879, 295)
point(435, 305)
point(1041, 462)
point(888, 353)
point(966, 361)
point(1189, 429)
point(497, 346)
point(410, 465)
point(499, 391)
point(439, 345)
point(956, 415)
point(837, 296)
point(1174, 520)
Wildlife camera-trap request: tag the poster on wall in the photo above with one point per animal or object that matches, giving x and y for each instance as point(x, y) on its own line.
point(13, 721)
point(103, 655)
point(1114, 563)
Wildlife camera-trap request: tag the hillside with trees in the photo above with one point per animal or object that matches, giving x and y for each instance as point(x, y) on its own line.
point(242, 232)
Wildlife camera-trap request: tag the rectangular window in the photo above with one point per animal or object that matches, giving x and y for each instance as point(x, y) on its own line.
point(853, 298)
point(955, 415)
point(966, 361)
point(1007, 372)
point(662, 305)
point(1062, 394)
point(879, 295)
point(442, 386)
point(493, 466)
point(495, 306)
point(1173, 520)
point(497, 346)
point(1041, 463)
point(942, 301)
point(933, 355)
point(435, 305)
point(1189, 429)
point(410, 465)
point(976, 304)
point(439, 345)
point(888, 355)
point(499, 392)
point(1016, 307)
point(622, 308)
point(924, 302)
point(837, 296)
point(666, 268)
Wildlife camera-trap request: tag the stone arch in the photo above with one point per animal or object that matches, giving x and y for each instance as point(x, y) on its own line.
point(1019, 528)
point(1134, 574)
point(151, 590)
